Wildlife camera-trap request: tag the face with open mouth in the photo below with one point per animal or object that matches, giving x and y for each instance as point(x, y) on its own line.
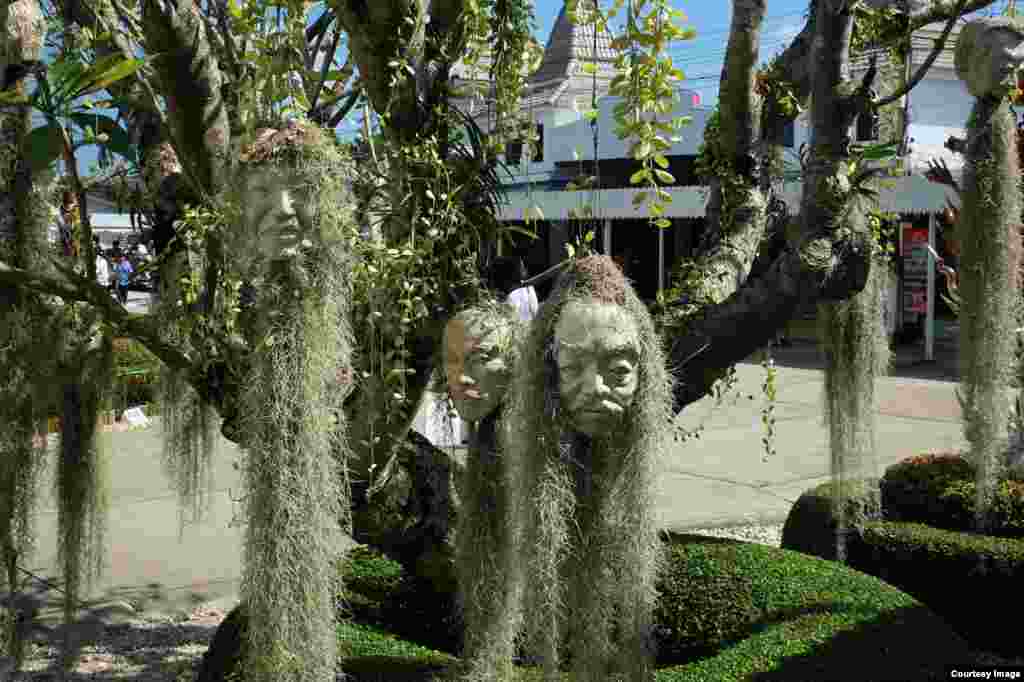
point(277, 210)
point(598, 353)
point(475, 366)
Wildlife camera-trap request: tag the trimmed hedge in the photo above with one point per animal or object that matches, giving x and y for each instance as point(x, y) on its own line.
point(729, 611)
point(811, 524)
point(913, 490)
point(924, 545)
point(969, 580)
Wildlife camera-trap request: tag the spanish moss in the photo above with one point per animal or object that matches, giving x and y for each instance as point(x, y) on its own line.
point(189, 444)
point(82, 481)
point(488, 597)
point(296, 500)
point(584, 507)
point(989, 240)
point(856, 350)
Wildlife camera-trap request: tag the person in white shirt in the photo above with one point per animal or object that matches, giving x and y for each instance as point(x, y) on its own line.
point(505, 276)
point(102, 271)
point(525, 301)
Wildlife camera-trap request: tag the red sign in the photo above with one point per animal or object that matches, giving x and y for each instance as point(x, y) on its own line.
point(915, 268)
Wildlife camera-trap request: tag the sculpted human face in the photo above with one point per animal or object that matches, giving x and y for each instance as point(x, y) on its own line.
point(994, 62)
point(598, 355)
point(278, 211)
point(477, 372)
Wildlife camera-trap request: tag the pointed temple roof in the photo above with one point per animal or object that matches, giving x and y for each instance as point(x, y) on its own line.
point(569, 44)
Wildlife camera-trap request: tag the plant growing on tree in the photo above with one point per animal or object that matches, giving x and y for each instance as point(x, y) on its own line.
point(990, 205)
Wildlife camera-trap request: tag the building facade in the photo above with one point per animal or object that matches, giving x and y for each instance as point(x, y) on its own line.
point(558, 93)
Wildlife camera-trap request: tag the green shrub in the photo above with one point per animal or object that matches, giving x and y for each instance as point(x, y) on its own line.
point(702, 604)
point(136, 372)
point(811, 524)
point(800, 618)
point(913, 491)
point(939, 491)
point(954, 573)
point(369, 574)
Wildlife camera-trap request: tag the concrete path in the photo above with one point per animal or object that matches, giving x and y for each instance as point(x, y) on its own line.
point(722, 478)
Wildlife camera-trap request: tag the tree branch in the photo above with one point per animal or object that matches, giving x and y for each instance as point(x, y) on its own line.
point(65, 283)
point(924, 12)
point(940, 44)
point(819, 270)
point(191, 80)
point(325, 67)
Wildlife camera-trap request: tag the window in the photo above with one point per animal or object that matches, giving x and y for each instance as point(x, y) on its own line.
point(867, 126)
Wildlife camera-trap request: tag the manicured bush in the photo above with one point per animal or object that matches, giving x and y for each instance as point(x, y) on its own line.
point(758, 613)
point(913, 491)
point(728, 611)
point(954, 573)
point(811, 524)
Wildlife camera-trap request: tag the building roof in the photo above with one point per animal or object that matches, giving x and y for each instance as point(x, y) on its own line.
point(571, 44)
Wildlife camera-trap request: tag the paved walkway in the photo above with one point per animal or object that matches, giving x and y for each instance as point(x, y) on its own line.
point(725, 478)
point(721, 478)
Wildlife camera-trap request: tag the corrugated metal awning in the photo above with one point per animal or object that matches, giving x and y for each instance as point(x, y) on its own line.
point(905, 194)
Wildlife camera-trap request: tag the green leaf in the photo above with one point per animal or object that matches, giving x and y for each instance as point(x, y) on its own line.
point(43, 146)
point(591, 115)
point(642, 151)
point(640, 176)
point(589, 68)
point(119, 142)
point(879, 151)
point(235, 8)
point(639, 198)
point(661, 160)
point(664, 176)
point(663, 223)
point(98, 81)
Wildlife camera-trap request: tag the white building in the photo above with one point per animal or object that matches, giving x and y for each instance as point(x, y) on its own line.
point(560, 91)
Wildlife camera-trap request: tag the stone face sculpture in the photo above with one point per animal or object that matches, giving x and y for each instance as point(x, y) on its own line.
point(590, 414)
point(477, 343)
point(598, 349)
point(989, 51)
point(291, 190)
point(278, 208)
point(987, 56)
point(480, 350)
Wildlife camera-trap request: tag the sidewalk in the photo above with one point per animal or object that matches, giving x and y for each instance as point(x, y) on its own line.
point(724, 477)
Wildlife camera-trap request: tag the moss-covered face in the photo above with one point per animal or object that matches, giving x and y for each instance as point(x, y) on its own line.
point(278, 209)
point(598, 350)
point(476, 368)
point(994, 61)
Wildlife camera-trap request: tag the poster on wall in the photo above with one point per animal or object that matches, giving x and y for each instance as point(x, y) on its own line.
point(915, 271)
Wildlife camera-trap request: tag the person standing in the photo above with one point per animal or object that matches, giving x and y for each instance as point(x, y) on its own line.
point(506, 276)
point(102, 270)
point(124, 275)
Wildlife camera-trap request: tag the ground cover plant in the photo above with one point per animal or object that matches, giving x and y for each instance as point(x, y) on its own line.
point(728, 611)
